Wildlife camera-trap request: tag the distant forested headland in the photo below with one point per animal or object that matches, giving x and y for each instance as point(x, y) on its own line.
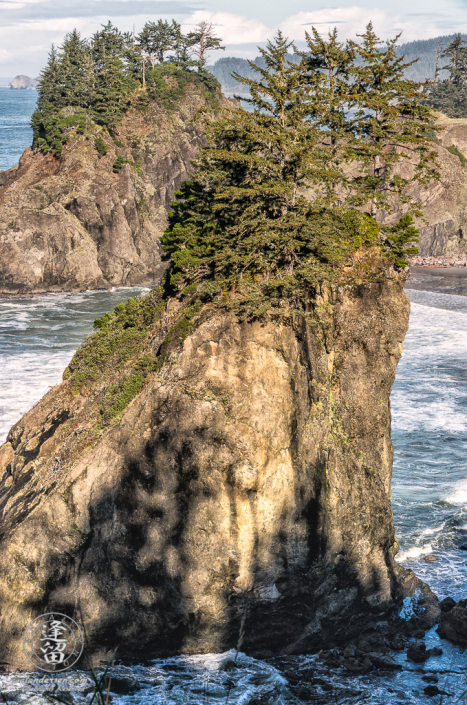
point(425, 51)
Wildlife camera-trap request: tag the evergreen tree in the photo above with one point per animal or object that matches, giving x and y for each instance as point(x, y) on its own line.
point(456, 52)
point(75, 60)
point(133, 59)
point(112, 81)
point(156, 39)
point(329, 66)
point(51, 80)
point(450, 95)
point(181, 48)
point(46, 133)
point(202, 40)
point(391, 123)
point(244, 217)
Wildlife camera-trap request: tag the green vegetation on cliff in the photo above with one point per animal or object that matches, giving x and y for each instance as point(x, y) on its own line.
point(286, 194)
point(97, 81)
point(285, 197)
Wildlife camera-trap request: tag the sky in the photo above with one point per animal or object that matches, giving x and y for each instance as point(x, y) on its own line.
point(29, 27)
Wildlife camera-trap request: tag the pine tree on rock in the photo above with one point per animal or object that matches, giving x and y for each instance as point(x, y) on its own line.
point(391, 123)
point(156, 39)
point(329, 66)
point(244, 216)
point(202, 40)
point(450, 95)
point(51, 81)
point(75, 59)
point(112, 81)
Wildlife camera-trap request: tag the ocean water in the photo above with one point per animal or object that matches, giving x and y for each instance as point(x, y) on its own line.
point(38, 337)
point(16, 108)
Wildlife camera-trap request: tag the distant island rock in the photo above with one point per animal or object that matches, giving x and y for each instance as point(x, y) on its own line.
point(24, 83)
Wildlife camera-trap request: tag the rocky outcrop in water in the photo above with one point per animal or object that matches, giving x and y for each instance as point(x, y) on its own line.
point(73, 223)
point(22, 82)
point(198, 482)
point(453, 624)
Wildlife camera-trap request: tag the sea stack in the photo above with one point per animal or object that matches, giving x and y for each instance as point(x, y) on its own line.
point(195, 478)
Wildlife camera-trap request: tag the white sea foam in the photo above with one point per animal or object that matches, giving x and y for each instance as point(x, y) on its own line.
point(459, 496)
point(415, 552)
point(38, 337)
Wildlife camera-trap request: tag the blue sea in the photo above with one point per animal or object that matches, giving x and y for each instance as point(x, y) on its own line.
point(16, 108)
point(38, 337)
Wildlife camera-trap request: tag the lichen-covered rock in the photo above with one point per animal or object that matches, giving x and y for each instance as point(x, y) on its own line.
point(243, 494)
point(73, 224)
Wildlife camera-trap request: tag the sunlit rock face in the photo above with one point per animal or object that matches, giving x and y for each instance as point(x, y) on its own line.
point(73, 224)
point(244, 493)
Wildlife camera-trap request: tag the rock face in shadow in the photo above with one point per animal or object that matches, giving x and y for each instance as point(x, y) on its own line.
point(453, 624)
point(73, 224)
point(244, 491)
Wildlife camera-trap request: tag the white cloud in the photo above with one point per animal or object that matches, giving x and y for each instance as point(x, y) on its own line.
point(233, 29)
point(351, 21)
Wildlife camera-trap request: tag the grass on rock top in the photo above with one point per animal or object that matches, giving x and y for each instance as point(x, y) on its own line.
point(113, 364)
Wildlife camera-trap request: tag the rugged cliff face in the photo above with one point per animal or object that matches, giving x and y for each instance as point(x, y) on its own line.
point(72, 223)
point(196, 479)
point(443, 231)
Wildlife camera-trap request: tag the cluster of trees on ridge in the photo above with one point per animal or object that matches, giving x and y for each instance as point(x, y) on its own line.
point(450, 95)
point(287, 192)
point(98, 77)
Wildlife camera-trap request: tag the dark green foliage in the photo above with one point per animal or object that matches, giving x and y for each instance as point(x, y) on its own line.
point(167, 84)
point(101, 146)
point(98, 79)
point(243, 223)
point(453, 149)
point(118, 396)
point(118, 164)
point(158, 38)
point(119, 336)
point(112, 83)
point(390, 117)
point(400, 235)
point(450, 98)
point(115, 353)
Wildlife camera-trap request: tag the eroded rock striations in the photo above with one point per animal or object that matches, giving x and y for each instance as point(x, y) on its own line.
point(72, 223)
point(223, 479)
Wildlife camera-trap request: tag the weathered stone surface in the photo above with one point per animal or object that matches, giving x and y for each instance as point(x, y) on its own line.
point(443, 229)
point(453, 624)
point(72, 224)
point(244, 492)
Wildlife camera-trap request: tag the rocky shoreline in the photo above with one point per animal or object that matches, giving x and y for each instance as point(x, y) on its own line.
point(421, 261)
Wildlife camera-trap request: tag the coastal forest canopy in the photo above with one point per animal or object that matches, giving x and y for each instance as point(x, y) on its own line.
point(98, 77)
point(287, 192)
